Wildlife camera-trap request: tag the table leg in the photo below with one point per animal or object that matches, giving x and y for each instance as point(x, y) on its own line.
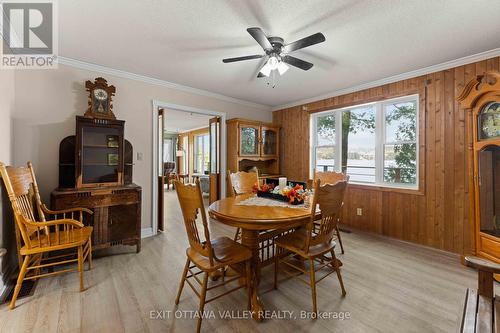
point(250, 238)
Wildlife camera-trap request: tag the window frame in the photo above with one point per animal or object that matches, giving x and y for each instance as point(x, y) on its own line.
point(203, 152)
point(380, 140)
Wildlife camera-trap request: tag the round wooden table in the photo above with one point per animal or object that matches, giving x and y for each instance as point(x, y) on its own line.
point(252, 220)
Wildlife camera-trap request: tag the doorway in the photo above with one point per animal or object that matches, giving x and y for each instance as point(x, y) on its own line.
point(188, 147)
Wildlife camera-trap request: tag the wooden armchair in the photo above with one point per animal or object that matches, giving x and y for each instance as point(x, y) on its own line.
point(312, 245)
point(481, 308)
point(209, 255)
point(331, 177)
point(38, 237)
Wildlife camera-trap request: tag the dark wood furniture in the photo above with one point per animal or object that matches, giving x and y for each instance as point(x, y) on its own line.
point(260, 226)
point(117, 212)
point(252, 144)
point(95, 172)
point(481, 307)
point(311, 245)
point(210, 255)
point(481, 99)
point(41, 240)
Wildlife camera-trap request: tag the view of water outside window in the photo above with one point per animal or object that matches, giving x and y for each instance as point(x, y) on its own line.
point(400, 148)
point(357, 142)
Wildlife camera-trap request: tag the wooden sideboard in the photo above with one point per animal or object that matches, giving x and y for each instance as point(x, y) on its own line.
point(117, 212)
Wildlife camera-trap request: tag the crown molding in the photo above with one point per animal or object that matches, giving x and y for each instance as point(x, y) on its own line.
point(395, 78)
point(147, 79)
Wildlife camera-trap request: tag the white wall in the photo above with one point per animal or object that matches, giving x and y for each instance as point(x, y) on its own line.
point(47, 102)
point(6, 108)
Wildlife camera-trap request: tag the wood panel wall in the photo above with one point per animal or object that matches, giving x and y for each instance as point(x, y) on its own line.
point(438, 216)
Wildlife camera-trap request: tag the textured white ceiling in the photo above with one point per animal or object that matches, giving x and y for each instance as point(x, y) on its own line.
point(179, 121)
point(184, 41)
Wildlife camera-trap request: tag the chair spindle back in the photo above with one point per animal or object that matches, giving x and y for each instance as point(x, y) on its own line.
point(22, 188)
point(329, 198)
point(191, 202)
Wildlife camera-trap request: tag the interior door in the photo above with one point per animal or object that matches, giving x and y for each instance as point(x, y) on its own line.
point(161, 178)
point(214, 159)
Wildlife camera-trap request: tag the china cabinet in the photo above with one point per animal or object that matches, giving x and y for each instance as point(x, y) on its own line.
point(253, 144)
point(95, 172)
point(481, 99)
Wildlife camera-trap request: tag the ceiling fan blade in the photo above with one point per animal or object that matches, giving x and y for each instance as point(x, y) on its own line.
point(296, 62)
point(304, 42)
point(260, 37)
point(257, 56)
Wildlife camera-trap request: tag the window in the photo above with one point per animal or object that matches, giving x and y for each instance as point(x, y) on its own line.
point(201, 153)
point(374, 143)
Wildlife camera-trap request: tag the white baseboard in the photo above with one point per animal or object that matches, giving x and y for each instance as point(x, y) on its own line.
point(146, 232)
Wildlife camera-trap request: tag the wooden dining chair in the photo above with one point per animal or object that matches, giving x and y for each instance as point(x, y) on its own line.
point(331, 177)
point(314, 246)
point(40, 237)
point(209, 255)
point(242, 183)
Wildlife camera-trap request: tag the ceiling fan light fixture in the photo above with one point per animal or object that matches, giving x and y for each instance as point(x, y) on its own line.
point(282, 67)
point(266, 70)
point(273, 62)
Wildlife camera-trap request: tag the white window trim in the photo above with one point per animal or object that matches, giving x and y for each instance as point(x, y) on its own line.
point(379, 137)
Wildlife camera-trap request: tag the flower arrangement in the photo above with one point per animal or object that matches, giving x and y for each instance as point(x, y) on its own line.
point(295, 195)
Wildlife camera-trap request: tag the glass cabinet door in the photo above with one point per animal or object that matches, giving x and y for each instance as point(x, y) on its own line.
point(489, 190)
point(100, 155)
point(249, 140)
point(269, 141)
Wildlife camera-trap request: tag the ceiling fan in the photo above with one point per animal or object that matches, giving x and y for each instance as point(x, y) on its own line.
point(277, 52)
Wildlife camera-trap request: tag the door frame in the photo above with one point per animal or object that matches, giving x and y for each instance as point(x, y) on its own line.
point(223, 149)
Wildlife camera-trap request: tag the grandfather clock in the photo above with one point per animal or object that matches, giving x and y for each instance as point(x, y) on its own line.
point(481, 99)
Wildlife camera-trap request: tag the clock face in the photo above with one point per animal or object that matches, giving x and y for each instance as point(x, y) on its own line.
point(489, 121)
point(100, 94)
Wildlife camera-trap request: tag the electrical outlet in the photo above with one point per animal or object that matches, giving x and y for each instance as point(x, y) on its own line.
point(139, 156)
point(359, 211)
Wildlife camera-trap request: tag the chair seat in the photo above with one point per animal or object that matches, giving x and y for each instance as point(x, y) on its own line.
point(227, 252)
point(73, 238)
point(296, 241)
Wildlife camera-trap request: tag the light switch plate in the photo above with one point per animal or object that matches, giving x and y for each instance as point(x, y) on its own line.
point(359, 211)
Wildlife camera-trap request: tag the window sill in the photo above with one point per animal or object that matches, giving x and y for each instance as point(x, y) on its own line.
point(393, 189)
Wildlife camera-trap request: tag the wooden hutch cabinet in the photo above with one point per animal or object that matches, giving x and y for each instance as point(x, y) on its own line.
point(481, 99)
point(253, 144)
point(95, 172)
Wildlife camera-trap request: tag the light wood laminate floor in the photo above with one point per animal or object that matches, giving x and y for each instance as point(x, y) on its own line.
point(391, 287)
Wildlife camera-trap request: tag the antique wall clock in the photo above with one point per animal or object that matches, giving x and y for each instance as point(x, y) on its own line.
point(100, 99)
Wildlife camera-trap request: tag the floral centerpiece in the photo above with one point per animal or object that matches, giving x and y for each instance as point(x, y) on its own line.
point(295, 195)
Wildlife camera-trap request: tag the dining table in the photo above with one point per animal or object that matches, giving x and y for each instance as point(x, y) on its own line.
point(256, 219)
